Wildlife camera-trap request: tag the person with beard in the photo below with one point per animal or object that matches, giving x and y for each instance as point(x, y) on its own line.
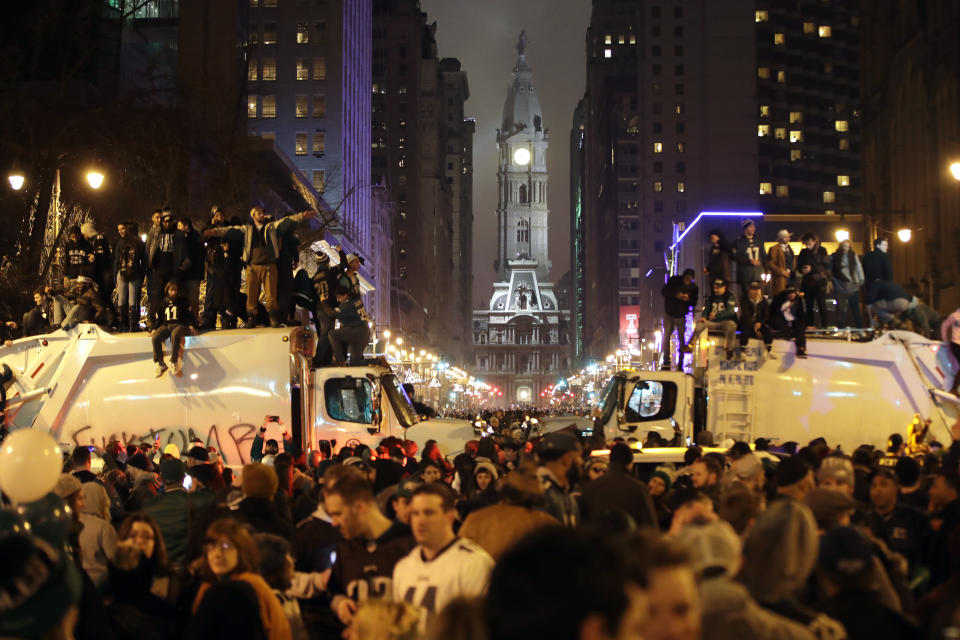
point(561, 460)
point(370, 549)
point(129, 269)
point(163, 246)
point(78, 257)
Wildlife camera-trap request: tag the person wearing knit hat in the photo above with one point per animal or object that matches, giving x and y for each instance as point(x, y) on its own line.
point(259, 483)
point(485, 467)
point(830, 507)
point(67, 485)
point(660, 481)
point(794, 478)
point(713, 548)
point(40, 590)
point(836, 472)
point(749, 470)
point(848, 570)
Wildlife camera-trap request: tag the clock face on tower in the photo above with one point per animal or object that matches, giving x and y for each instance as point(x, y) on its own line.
point(521, 156)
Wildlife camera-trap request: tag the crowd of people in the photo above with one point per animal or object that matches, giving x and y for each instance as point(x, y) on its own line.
point(104, 282)
point(560, 536)
point(799, 286)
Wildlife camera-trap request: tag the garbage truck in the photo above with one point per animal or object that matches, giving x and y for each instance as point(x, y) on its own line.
point(87, 386)
point(853, 388)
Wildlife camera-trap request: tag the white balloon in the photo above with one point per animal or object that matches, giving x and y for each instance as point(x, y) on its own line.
point(30, 464)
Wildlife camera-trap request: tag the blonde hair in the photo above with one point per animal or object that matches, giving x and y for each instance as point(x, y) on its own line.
point(385, 620)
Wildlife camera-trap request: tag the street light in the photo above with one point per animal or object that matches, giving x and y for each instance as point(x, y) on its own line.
point(842, 235)
point(905, 234)
point(16, 180)
point(94, 179)
point(955, 170)
point(386, 334)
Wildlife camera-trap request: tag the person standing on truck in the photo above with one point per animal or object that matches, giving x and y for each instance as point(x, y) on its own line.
point(848, 280)
point(813, 264)
point(755, 318)
point(78, 257)
point(719, 312)
point(162, 248)
point(354, 333)
point(175, 322)
point(325, 284)
point(190, 263)
point(102, 263)
point(748, 254)
point(679, 297)
point(718, 257)
point(350, 280)
point(786, 318)
point(876, 264)
point(129, 268)
point(782, 263)
point(261, 250)
point(886, 300)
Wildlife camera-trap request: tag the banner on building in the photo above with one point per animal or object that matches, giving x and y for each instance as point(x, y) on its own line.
point(629, 327)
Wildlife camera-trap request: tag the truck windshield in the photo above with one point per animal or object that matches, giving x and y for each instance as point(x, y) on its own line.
point(349, 399)
point(609, 399)
point(399, 400)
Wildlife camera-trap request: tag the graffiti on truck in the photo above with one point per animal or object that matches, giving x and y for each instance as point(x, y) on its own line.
point(232, 442)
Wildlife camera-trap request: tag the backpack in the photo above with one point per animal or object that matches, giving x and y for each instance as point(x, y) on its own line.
point(128, 263)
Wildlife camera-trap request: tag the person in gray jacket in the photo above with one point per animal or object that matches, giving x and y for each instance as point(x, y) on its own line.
point(262, 241)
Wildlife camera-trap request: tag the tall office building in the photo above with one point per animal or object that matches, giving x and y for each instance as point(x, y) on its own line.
point(418, 131)
point(521, 339)
point(577, 233)
point(704, 106)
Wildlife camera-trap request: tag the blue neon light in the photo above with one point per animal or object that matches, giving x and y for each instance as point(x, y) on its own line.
point(740, 214)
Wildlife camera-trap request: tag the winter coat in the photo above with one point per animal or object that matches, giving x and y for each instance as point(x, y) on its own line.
point(272, 616)
point(751, 313)
point(98, 539)
point(819, 263)
point(499, 527)
point(273, 235)
point(674, 307)
point(130, 258)
point(618, 490)
point(877, 266)
point(189, 255)
point(847, 271)
point(724, 307)
point(718, 259)
point(729, 613)
point(782, 264)
point(76, 259)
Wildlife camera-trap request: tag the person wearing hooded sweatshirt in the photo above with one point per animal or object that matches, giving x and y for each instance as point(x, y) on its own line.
point(98, 539)
point(78, 257)
point(718, 257)
point(779, 554)
point(729, 611)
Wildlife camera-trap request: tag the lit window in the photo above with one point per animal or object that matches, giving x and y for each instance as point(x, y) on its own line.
point(763, 73)
point(319, 142)
point(608, 53)
point(796, 154)
point(796, 117)
point(763, 130)
point(762, 16)
point(829, 196)
point(843, 181)
point(303, 71)
point(844, 144)
point(680, 147)
point(268, 135)
point(781, 77)
point(319, 180)
point(825, 31)
point(269, 107)
point(679, 109)
point(830, 212)
point(269, 4)
point(319, 106)
point(251, 106)
point(764, 111)
point(303, 33)
point(269, 69)
point(254, 4)
point(658, 186)
point(780, 133)
point(269, 33)
point(301, 145)
point(841, 125)
point(779, 38)
point(608, 39)
point(658, 147)
point(766, 188)
point(320, 68)
point(252, 74)
point(796, 136)
point(633, 39)
point(681, 187)
point(621, 39)
point(783, 191)
point(809, 27)
point(301, 105)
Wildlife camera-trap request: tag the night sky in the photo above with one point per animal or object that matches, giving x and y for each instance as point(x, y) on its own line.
point(482, 35)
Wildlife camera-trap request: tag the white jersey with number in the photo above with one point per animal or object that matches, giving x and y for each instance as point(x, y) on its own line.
point(462, 568)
